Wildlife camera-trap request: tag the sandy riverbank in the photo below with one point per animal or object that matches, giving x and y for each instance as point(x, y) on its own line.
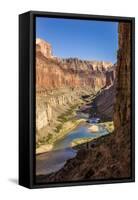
point(66, 128)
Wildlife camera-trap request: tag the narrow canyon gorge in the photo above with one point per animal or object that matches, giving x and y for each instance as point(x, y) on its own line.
point(63, 85)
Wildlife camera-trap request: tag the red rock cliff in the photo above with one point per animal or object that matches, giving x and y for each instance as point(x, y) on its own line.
point(53, 73)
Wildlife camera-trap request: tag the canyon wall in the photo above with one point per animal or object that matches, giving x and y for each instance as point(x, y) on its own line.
point(122, 114)
point(73, 73)
point(107, 157)
point(106, 98)
point(105, 103)
point(60, 83)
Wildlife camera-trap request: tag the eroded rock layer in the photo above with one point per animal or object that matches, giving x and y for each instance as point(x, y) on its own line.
point(60, 83)
point(72, 73)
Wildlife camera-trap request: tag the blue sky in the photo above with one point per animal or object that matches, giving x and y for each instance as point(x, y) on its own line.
point(85, 39)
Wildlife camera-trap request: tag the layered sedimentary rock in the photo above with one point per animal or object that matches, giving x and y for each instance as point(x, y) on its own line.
point(52, 72)
point(61, 82)
point(107, 157)
point(73, 73)
point(50, 106)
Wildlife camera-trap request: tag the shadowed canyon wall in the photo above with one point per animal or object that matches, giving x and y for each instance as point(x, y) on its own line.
point(123, 104)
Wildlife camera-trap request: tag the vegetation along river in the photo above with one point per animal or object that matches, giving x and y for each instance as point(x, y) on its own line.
point(63, 150)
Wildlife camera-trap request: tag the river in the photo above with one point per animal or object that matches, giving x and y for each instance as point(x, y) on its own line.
point(54, 160)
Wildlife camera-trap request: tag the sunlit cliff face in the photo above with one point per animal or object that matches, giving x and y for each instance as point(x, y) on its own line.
point(56, 73)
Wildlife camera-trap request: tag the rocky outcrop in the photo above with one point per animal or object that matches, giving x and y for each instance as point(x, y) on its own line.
point(111, 75)
point(44, 47)
point(107, 157)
